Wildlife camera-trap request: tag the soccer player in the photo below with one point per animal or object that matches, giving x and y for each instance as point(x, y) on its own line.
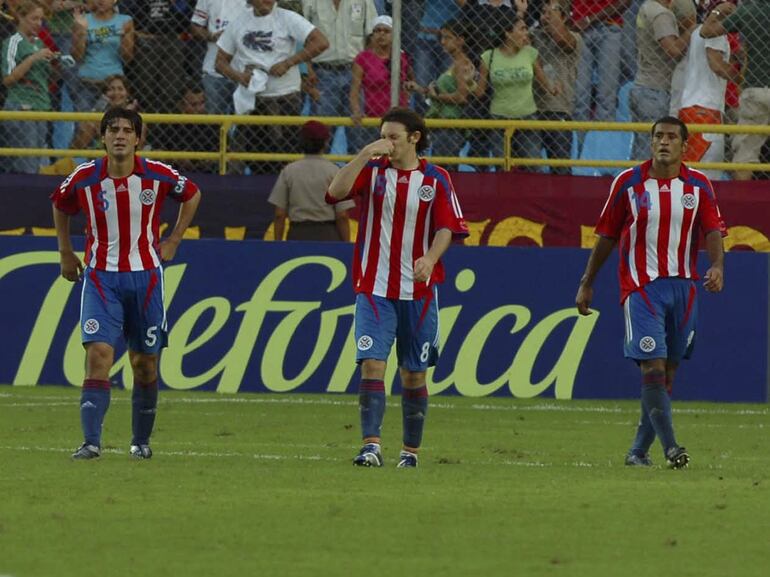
point(121, 196)
point(657, 212)
point(409, 216)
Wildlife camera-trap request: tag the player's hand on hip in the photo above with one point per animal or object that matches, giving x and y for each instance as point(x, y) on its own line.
point(71, 266)
point(423, 268)
point(381, 147)
point(714, 280)
point(583, 299)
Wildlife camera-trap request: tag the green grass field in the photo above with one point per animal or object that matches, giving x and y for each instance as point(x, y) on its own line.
point(263, 485)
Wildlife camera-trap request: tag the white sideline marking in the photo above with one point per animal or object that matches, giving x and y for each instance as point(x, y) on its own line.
point(318, 458)
point(62, 400)
point(265, 457)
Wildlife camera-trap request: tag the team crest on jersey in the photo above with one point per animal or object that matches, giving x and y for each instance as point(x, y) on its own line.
point(91, 326)
point(426, 193)
point(365, 343)
point(688, 201)
point(647, 344)
point(147, 196)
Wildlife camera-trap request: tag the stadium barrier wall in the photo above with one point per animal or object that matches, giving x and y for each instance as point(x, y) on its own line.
point(513, 209)
point(257, 316)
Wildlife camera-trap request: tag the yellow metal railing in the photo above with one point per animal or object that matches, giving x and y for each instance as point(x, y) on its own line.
point(223, 155)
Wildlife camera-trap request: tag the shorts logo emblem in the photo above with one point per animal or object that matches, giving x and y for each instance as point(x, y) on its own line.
point(91, 326)
point(365, 343)
point(647, 344)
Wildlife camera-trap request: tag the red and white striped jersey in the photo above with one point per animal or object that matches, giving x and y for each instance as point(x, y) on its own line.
point(401, 211)
point(658, 223)
point(122, 214)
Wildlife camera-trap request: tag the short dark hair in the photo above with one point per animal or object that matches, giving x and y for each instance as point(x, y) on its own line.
point(116, 113)
point(411, 120)
point(671, 120)
point(312, 145)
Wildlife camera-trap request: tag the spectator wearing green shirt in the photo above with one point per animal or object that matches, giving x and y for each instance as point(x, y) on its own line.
point(512, 68)
point(26, 68)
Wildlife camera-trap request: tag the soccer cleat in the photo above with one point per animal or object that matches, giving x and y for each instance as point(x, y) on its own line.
point(86, 451)
point(677, 458)
point(634, 460)
point(407, 459)
point(368, 456)
point(140, 451)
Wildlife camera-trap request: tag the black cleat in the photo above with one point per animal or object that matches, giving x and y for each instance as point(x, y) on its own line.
point(140, 451)
point(86, 451)
point(677, 458)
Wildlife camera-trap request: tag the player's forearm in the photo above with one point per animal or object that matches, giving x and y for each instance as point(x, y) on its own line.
point(344, 179)
point(441, 242)
point(186, 214)
point(602, 249)
point(343, 226)
point(715, 249)
point(61, 221)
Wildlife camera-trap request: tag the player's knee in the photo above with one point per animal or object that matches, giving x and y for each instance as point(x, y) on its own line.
point(373, 369)
point(412, 380)
point(654, 378)
point(145, 368)
point(99, 357)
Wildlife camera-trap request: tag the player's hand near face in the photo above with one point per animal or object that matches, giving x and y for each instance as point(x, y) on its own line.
point(71, 266)
point(381, 147)
point(423, 268)
point(713, 280)
point(583, 298)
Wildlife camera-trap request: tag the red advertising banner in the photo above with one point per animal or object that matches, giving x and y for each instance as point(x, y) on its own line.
point(537, 210)
point(514, 208)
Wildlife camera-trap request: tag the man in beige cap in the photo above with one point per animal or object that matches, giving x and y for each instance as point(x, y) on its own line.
point(299, 192)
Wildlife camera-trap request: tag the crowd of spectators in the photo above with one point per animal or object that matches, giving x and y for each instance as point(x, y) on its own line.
point(511, 59)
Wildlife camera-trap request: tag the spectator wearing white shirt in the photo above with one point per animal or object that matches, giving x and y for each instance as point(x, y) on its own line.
point(258, 52)
point(707, 72)
point(208, 22)
point(345, 23)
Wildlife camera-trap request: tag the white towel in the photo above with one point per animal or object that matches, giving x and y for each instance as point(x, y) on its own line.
point(243, 97)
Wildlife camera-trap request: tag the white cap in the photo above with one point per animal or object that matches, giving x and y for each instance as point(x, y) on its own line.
point(382, 21)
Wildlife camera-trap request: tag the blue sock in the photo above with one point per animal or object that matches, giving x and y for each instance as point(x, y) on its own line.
point(94, 402)
point(144, 401)
point(414, 406)
point(645, 435)
point(657, 403)
point(371, 402)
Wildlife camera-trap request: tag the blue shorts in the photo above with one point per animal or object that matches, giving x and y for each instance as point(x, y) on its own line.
point(412, 324)
point(660, 320)
point(128, 303)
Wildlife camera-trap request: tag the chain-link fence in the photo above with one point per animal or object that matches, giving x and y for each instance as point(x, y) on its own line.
point(553, 60)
